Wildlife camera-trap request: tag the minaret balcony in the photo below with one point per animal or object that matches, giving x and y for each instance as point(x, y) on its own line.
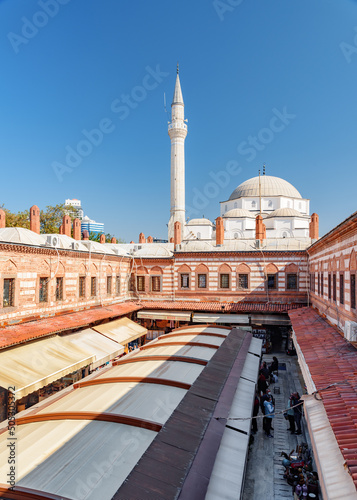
point(177, 125)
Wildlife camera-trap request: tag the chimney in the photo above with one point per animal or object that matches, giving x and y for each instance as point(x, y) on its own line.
point(113, 241)
point(77, 229)
point(102, 238)
point(171, 240)
point(60, 229)
point(142, 238)
point(66, 225)
point(314, 227)
point(85, 235)
point(2, 219)
point(35, 219)
point(177, 233)
point(132, 242)
point(260, 229)
point(150, 239)
point(219, 231)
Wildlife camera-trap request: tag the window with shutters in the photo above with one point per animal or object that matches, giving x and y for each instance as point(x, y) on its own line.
point(93, 286)
point(185, 281)
point(59, 289)
point(342, 289)
point(82, 287)
point(353, 291)
point(202, 281)
point(271, 281)
point(43, 289)
point(140, 283)
point(292, 281)
point(9, 292)
point(155, 283)
point(132, 287)
point(318, 284)
point(243, 281)
point(109, 285)
point(224, 281)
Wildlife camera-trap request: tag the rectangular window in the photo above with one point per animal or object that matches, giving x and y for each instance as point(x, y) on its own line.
point(224, 280)
point(109, 285)
point(43, 291)
point(342, 289)
point(271, 281)
point(318, 284)
point(353, 291)
point(9, 292)
point(117, 285)
point(93, 286)
point(155, 283)
point(202, 281)
point(322, 284)
point(243, 281)
point(59, 288)
point(185, 281)
point(140, 283)
point(334, 287)
point(82, 286)
point(329, 286)
point(292, 281)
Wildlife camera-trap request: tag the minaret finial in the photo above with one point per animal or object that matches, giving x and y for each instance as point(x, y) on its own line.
point(177, 68)
point(264, 169)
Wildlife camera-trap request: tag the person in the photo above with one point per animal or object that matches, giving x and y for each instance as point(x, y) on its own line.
point(255, 413)
point(269, 414)
point(290, 412)
point(262, 383)
point(297, 411)
point(274, 365)
point(265, 370)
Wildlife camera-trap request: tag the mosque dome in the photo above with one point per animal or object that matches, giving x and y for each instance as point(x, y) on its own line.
point(199, 222)
point(239, 213)
point(285, 212)
point(270, 186)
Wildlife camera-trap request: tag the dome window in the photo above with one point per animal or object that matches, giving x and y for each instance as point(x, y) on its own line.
point(236, 236)
point(198, 236)
point(235, 205)
point(285, 235)
point(225, 208)
point(270, 203)
point(254, 204)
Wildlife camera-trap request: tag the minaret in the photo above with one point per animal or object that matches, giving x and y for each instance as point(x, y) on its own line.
point(177, 133)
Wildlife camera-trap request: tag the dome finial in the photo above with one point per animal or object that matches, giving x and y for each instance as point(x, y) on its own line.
point(177, 68)
point(264, 169)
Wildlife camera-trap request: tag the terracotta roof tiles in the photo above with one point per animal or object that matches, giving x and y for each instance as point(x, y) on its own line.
point(224, 307)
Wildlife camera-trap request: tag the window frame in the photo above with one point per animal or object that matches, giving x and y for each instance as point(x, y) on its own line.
point(43, 281)
point(329, 286)
point(187, 276)
point(224, 276)
point(12, 285)
point(353, 290)
point(59, 289)
point(275, 278)
point(342, 288)
point(334, 287)
point(288, 286)
point(140, 283)
point(154, 279)
point(93, 286)
point(117, 285)
point(109, 284)
point(199, 285)
point(81, 287)
point(246, 276)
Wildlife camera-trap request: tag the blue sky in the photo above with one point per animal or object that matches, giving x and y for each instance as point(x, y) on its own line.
point(241, 63)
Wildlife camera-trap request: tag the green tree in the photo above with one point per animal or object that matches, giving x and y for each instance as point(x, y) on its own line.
point(108, 237)
point(20, 219)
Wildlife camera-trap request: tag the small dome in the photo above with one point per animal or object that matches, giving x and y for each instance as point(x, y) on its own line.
point(270, 186)
point(199, 222)
point(21, 235)
point(285, 212)
point(239, 213)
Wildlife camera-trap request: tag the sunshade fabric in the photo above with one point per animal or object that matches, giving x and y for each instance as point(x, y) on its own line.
point(29, 367)
point(121, 330)
point(220, 318)
point(168, 315)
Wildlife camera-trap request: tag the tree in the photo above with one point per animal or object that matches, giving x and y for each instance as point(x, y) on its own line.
point(20, 219)
point(51, 217)
point(108, 237)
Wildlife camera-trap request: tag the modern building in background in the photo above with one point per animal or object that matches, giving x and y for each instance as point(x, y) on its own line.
point(77, 205)
point(92, 226)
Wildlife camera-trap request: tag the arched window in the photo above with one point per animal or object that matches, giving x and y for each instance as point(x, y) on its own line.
point(236, 236)
point(198, 236)
point(156, 279)
point(184, 274)
point(224, 277)
point(254, 204)
point(243, 277)
point(202, 273)
point(271, 277)
point(291, 272)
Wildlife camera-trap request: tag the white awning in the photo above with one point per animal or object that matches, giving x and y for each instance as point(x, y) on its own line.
point(32, 366)
point(237, 319)
point(101, 347)
point(168, 315)
point(121, 330)
point(270, 319)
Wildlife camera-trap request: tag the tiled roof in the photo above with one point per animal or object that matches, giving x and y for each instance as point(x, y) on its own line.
point(17, 334)
point(224, 307)
point(331, 359)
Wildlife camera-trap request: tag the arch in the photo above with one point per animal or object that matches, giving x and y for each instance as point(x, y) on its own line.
point(224, 268)
point(285, 232)
point(141, 270)
point(243, 268)
point(238, 234)
point(61, 269)
point(9, 267)
point(156, 270)
point(271, 269)
point(44, 268)
point(109, 269)
point(329, 266)
point(184, 269)
point(353, 261)
point(93, 268)
point(201, 268)
point(82, 269)
point(291, 268)
point(334, 264)
point(198, 236)
point(342, 262)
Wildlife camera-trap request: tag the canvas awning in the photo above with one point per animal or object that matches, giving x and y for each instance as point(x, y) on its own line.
point(240, 319)
point(121, 330)
point(270, 319)
point(103, 348)
point(32, 366)
point(168, 315)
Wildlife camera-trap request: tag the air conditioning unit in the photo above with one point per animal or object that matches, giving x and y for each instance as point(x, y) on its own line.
point(351, 331)
point(53, 240)
point(75, 245)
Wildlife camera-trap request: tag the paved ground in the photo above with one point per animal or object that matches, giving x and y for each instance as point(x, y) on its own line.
point(264, 476)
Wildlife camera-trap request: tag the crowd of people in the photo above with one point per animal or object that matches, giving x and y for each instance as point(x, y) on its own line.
point(265, 402)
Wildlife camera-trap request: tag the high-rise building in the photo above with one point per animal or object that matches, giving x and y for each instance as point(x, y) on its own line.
point(75, 204)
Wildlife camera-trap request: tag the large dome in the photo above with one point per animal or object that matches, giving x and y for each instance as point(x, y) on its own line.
point(270, 186)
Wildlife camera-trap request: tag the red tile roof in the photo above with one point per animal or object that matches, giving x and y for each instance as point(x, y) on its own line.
point(217, 306)
point(17, 334)
point(331, 359)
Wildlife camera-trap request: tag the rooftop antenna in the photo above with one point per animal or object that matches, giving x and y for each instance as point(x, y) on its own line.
point(260, 194)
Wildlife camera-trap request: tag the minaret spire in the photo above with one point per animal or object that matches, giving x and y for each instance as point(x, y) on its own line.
point(177, 132)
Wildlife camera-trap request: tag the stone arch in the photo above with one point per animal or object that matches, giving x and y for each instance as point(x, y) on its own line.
point(334, 264)
point(291, 268)
point(109, 270)
point(9, 267)
point(141, 270)
point(60, 270)
point(342, 262)
point(271, 269)
point(285, 232)
point(156, 270)
point(201, 268)
point(82, 269)
point(353, 261)
point(224, 269)
point(243, 268)
point(93, 268)
point(184, 269)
